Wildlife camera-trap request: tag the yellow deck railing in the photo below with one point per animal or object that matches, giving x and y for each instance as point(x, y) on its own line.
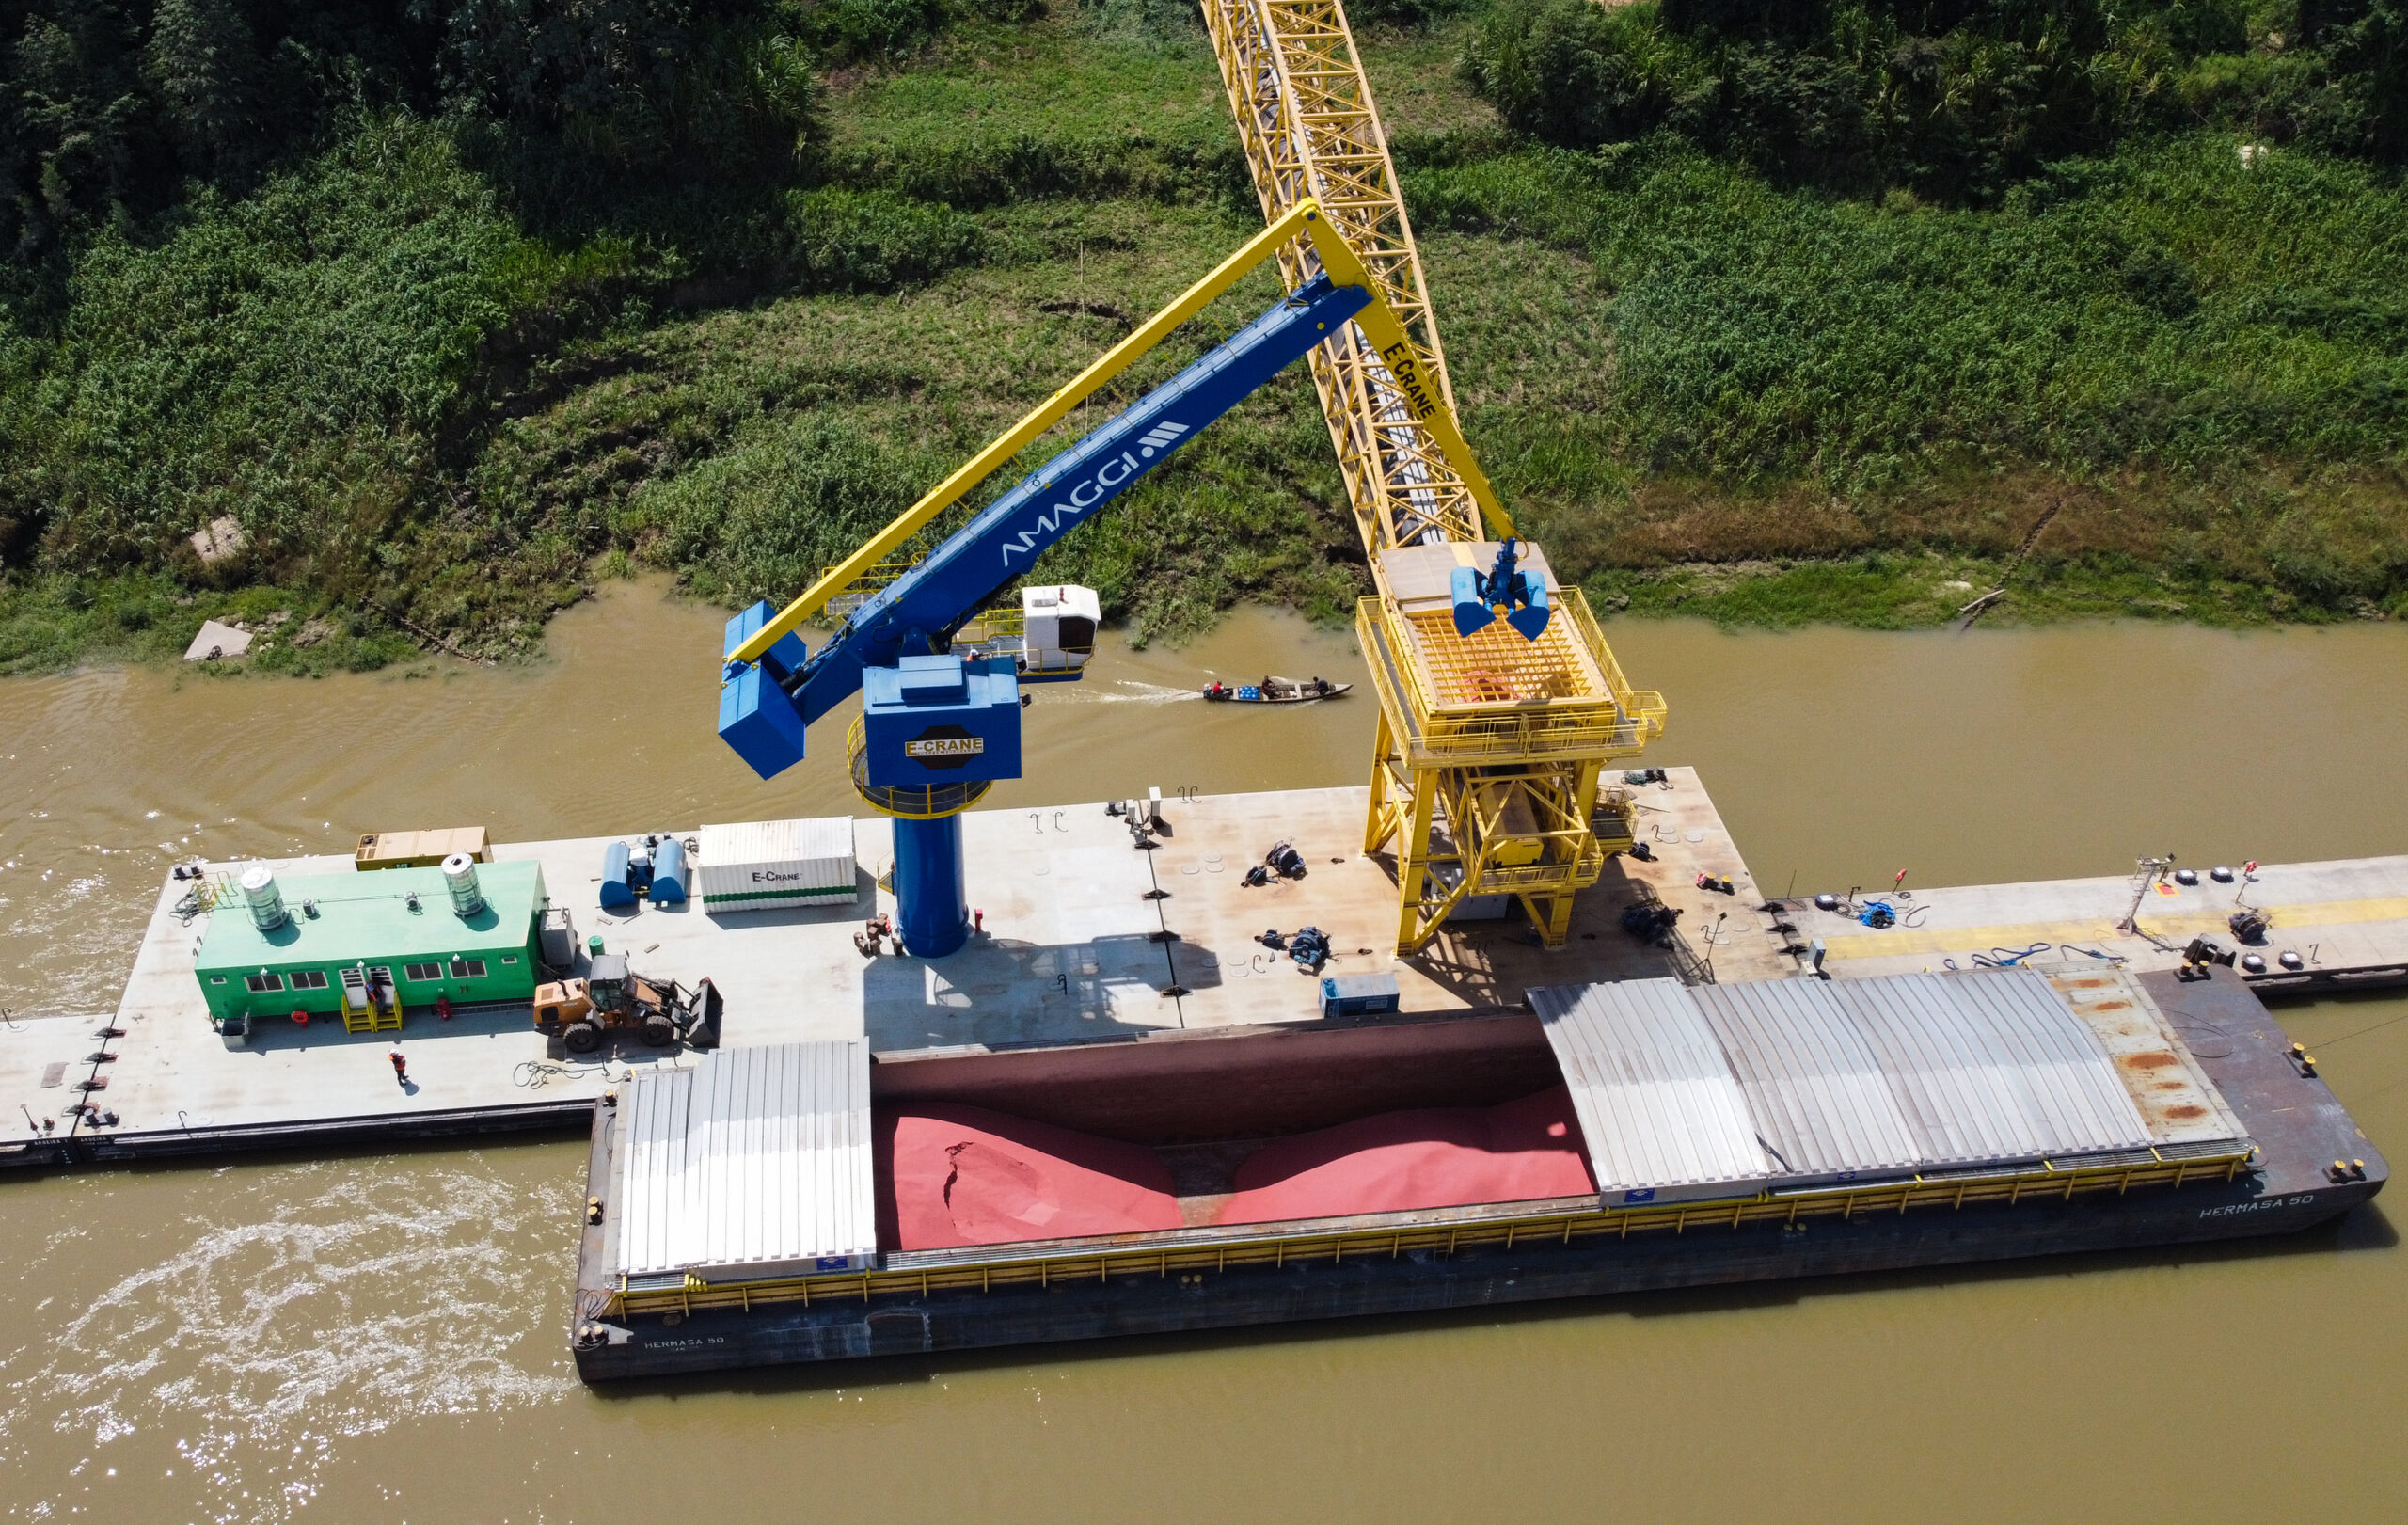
point(1618, 721)
point(2043, 1183)
point(909, 801)
point(1645, 707)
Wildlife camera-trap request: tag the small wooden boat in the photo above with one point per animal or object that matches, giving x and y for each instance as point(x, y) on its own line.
point(1275, 690)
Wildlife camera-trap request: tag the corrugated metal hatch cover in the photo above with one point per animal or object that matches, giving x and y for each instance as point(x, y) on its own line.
point(1686, 1092)
point(753, 1162)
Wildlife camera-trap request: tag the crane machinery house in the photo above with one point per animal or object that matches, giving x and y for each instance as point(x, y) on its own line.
point(1058, 625)
point(365, 946)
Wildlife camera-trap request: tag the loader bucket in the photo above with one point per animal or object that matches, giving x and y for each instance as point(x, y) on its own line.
point(702, 1028)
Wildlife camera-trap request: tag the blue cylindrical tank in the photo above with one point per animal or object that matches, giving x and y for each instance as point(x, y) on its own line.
point(931, 907)
point(669, 872)
point(617, 892)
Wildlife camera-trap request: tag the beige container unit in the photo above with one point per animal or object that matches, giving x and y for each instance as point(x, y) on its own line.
point(775, 865)
point(422, 849)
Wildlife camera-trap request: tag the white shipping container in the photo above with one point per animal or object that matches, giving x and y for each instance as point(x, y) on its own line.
point(776, 864)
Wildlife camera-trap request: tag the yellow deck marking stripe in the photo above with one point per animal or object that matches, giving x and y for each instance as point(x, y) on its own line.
point(1900, 943)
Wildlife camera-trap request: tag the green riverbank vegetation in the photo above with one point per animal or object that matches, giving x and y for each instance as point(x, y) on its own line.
point(1769, 312)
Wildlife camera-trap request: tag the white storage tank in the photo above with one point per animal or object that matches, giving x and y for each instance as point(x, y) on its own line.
point(775, 865)
point(460, 878)
point(262, 893)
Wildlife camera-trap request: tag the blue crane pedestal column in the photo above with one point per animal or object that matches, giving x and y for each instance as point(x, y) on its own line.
point(936, 733)
point(931, 902)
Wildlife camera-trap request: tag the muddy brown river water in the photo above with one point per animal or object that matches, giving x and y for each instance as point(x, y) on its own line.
point(380, 1337)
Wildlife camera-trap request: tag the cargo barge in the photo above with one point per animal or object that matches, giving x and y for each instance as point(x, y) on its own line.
point(1727, 1133)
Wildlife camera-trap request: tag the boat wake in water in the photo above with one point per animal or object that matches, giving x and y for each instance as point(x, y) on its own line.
point(232, 1351)
point(1120, 692)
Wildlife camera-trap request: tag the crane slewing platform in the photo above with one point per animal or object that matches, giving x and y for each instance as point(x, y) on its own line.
point(1486, 771)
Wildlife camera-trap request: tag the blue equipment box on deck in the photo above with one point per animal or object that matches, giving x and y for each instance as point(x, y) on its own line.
point(1357, 995)
point(932, 720)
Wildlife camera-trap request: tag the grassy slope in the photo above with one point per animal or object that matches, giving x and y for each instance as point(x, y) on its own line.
point(706, 440)
point(1706, 396)
point(696, 454)
point(1534, 309)
point(1865, 382)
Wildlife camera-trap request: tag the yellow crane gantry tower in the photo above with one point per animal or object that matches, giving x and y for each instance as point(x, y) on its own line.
point(1490, 748)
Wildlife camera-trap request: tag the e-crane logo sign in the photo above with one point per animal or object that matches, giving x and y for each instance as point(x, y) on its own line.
point(1108, 478)
point(944, 746)
point(1406, 372)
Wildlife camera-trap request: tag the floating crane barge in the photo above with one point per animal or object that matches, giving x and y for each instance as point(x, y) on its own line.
point(1118, 991)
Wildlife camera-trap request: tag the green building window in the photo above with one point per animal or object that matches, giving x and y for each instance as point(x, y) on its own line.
point(422, 971)
point(468, 968)
point(308, 980)
point(259, 984)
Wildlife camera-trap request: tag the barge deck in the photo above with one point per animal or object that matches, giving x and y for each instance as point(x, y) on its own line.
point(2334, 926)
point(1086, 938)
point(1074, 950)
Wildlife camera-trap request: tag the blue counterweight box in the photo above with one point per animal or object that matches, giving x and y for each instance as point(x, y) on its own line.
point(1357, 995)
point(755, 716)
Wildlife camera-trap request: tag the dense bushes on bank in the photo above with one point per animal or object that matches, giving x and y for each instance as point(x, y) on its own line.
point(117, 108)
point(287, 262)
point(1954, 99)
point(2176, 304)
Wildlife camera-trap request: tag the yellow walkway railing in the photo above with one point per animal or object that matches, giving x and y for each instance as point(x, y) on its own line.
point(1041, 1266)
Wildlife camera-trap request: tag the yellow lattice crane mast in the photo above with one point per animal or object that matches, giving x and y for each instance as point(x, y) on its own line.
point(1490, 748)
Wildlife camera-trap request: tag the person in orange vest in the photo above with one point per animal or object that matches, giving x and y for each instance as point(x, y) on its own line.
point(400, 1065)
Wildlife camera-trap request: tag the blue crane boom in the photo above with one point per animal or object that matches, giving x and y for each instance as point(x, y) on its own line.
point(938, 728)
point(763, 711)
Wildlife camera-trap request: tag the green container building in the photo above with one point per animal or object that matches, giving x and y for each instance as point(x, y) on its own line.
point(392, 935)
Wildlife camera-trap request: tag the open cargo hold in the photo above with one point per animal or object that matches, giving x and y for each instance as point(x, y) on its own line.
point(1397, 1151)
point(1413, 1161)
point(776, 864)
point(1662, 1092)
point(950, 1176)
